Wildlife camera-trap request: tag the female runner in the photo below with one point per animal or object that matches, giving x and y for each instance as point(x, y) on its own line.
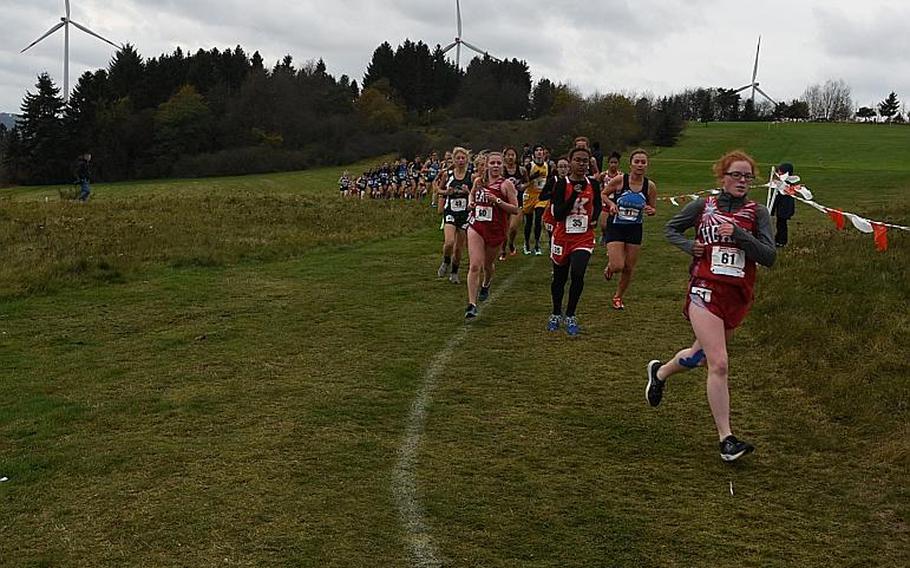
point(732, 234)
point(493, 198)
point(455, 185)
point(627, 197)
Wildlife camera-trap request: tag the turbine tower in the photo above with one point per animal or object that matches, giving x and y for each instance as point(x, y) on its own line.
point(459, 42)
point(65, 23)
point(754, 84)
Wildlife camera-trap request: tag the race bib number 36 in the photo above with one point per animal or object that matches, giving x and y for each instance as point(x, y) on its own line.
point(483, 213)
point(576, 224)
point(728, 261)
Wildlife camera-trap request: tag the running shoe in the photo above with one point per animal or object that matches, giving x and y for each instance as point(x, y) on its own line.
point(484, 294)
point(502, 256)
point(537, 251)
point(554, 323)
point(453, 278)
point(617, 303)
point(654, 392)
point(470, 312)
point(732, 449)
point(512, 251)
point(443, 268)
point(526, 250)
point(572, 326)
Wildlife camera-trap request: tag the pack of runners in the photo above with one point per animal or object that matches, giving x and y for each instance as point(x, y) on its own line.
point(485, 201)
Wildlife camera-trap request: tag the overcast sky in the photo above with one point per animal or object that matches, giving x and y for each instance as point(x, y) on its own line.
point(657, 46)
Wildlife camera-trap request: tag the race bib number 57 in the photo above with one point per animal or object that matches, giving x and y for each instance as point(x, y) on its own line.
point(728, 261)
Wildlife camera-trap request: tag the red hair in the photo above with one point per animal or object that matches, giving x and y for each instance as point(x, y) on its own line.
point(723, 164)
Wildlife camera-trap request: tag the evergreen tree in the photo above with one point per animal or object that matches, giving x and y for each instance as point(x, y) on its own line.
point(381, 65)
point(542, 98)
point(889, 107)
point(41, 133)
point(125, 74)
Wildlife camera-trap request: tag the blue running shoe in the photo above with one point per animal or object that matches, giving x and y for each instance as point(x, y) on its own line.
point(554, 323)
point(572, 326)
point(484, 294)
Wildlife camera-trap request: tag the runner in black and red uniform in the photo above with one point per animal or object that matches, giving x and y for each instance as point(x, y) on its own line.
point(493, 198)
point(514, 172)
point(732, 235)
point(576, 206)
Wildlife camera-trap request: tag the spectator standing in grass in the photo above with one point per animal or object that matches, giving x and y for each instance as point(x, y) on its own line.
point(83, 176)
point(732, 235)
point(783, 208)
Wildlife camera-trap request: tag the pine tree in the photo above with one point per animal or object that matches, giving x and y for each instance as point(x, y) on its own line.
point(41, 132)
point(889, 107)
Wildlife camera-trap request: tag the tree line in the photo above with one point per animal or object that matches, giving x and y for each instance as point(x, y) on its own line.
point(225, 112)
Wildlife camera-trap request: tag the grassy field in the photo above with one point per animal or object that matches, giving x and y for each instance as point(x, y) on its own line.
point(220, 372)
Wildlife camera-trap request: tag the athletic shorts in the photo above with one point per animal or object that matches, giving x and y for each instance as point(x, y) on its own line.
point(629, 233)
point(530, 202)
point(726, 301)
point(460, 220)
point(560, 252)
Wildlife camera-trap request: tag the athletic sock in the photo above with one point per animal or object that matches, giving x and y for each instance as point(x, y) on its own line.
point(447, 260)
point(455, 268)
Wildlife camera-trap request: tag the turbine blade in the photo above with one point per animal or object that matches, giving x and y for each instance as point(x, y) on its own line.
point(49, 32)
point(448, 47)
point(742, 88)
point(90, 32)
point(478, 50)
point(764, 94)
point(458, 11)
point(67, 9)
point(755, 69)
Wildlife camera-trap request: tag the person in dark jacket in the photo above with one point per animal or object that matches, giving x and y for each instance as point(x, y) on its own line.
point(83, 176)
point(783, 208)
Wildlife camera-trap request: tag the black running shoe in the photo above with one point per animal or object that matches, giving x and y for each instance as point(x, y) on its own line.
point(484, 294)
point(654, 392)
point(470, 312)
point(732, 449)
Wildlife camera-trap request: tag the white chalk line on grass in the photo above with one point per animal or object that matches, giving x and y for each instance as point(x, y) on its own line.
point(404, 477)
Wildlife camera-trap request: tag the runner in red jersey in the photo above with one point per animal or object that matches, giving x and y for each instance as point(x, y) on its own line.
point(576, 206)
point(732, 234)
point(493, 198)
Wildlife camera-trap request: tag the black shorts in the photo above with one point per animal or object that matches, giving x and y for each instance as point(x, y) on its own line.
point(460, 219)
point(629, 233)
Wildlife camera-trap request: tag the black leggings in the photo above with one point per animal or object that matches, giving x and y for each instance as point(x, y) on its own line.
point(577, 265)
point(537, 219)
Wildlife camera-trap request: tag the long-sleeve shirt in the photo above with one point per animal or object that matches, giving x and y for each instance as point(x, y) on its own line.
point(759, 247)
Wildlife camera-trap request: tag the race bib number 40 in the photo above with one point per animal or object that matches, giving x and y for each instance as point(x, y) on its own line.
point(576, 224)
point(728, 261)
point(483, 213)
point(459, 204)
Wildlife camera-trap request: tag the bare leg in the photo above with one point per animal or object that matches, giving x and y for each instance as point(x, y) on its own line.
point(631, 259)
point(477, 253)
point(616, 252)
point(710, 332)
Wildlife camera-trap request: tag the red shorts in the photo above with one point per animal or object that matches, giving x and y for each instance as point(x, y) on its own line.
point(492, 235)
point(726, 301)
point(561, 247)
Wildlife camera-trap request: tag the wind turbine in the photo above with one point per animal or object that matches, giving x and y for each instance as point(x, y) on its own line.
point(459, 42)
point(65, 24)
point(754, 83)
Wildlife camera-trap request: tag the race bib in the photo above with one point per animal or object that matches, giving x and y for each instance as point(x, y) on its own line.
point(483, 213)
point(459, 204)
point(557, 250)
point(576, 224)
point(540, 182)
point(628, 214)
point(702, 293)
point(728, 261)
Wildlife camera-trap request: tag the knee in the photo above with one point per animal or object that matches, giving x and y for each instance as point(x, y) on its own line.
point(719, 367)
point(617, 265)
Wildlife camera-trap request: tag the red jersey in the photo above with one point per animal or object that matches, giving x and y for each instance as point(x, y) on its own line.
point(722, 260)
point(487, 218)
point(576, 231)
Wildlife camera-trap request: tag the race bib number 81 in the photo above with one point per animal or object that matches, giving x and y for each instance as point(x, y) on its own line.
point(483, 213)
point(728, 261)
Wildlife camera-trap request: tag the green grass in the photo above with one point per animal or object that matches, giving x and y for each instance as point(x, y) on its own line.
point(230, 384)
